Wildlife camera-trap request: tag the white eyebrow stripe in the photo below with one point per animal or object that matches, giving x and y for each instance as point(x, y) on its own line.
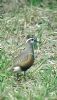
point(29, 39)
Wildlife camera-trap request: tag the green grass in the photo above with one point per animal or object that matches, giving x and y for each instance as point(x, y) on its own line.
point(41, 78)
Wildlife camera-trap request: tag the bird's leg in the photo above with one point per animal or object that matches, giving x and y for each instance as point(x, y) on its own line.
point(17, 76)
point(24, 75)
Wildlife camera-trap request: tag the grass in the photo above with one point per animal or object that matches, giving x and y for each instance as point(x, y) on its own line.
point(41, 78)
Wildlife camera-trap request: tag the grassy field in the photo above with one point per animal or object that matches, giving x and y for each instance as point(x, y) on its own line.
point(41, 78)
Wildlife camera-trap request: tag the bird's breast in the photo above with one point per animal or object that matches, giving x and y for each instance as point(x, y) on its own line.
point(26, 62)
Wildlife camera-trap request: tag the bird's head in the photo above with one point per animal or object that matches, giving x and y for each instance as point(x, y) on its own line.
point(32, 40)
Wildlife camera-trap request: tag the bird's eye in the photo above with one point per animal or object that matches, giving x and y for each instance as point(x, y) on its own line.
point(32, 40)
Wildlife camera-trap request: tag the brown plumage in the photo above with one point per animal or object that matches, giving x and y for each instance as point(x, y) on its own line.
point(26, 57)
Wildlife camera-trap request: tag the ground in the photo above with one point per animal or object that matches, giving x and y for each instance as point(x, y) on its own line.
point(41, 78)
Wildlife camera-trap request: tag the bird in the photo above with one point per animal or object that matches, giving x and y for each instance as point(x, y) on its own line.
point(26, 57)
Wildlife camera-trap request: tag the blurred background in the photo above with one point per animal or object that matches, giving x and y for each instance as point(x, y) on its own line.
point(19, 18)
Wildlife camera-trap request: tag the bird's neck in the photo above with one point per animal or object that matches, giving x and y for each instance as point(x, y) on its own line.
point(30, 47)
